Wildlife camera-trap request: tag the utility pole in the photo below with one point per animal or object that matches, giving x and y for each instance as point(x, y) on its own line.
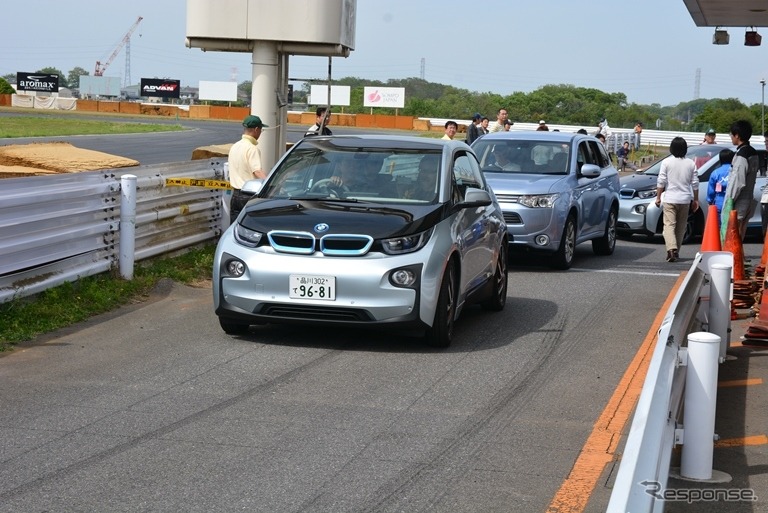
point(762, 107)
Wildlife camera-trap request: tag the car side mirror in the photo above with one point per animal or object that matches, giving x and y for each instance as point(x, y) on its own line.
point(590, 171)
point(253, 186)
point(475, 198)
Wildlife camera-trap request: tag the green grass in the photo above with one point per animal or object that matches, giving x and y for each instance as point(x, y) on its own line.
point(47, 126)
point(25, 318)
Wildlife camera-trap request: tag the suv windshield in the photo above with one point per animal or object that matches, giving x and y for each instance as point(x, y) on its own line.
point(521, 156)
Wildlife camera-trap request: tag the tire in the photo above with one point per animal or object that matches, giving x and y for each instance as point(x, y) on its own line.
point(690, 228)
point(607, 243)
point(498, 297)
point(232, 327)
point(441, 332)
point(563, 258)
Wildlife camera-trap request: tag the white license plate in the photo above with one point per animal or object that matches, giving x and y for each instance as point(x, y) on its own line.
point(306, 286)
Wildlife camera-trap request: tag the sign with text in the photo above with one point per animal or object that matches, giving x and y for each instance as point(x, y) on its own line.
point(164, 88)
point(384, 97)
point(39, 82)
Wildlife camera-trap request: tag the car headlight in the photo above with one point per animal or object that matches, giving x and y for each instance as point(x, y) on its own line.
point(247, 237)
point(539, 200)
point(650, 193)
point(406, 244)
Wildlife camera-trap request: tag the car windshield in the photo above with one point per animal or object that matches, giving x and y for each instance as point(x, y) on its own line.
point(523, 156)
point(322, 171)
point(700, 154)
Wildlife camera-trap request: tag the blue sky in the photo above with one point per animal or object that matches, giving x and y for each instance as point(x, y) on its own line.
point(649, 50)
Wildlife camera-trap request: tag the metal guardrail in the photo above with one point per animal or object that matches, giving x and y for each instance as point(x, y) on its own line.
point(652, 436)
point(58, 228)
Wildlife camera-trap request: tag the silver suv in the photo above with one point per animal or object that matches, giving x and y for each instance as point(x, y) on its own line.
point(556, 190)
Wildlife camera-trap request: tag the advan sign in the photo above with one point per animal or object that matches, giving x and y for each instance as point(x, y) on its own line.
point(163, 88)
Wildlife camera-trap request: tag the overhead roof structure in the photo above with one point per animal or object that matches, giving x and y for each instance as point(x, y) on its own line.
point(728, 13)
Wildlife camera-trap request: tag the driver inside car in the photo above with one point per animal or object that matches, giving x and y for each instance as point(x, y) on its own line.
point(362, 176)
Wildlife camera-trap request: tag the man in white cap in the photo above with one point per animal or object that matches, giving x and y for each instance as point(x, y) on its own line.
point(542, 127)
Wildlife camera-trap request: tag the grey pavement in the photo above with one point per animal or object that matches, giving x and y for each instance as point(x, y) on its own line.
point(740, 458)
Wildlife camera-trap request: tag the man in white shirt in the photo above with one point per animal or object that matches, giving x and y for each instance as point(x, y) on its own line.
point(244, 163)
point(501, 120)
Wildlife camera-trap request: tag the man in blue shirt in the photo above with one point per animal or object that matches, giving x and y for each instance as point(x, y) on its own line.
point(718, 181)
point(623, 157)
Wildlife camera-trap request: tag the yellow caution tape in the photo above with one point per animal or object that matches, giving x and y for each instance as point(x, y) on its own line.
point(195, 182)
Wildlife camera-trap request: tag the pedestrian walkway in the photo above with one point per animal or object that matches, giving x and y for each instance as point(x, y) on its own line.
point(740, 457)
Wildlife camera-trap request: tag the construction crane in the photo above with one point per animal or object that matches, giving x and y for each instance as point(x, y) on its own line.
point(100, 68)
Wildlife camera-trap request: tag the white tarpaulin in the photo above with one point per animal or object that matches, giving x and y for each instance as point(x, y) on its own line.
point(43, 102)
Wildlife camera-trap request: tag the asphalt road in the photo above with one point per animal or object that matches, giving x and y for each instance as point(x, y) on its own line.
point(160, 147)
point(154, 408)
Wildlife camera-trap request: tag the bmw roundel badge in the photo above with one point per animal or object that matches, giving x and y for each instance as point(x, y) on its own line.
point(321, 227)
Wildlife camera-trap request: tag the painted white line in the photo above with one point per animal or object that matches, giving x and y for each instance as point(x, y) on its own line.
point(614, 271)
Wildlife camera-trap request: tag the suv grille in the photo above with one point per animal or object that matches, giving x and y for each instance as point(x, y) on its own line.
point(626, 193)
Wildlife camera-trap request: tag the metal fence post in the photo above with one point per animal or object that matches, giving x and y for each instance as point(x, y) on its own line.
point(719, 305)
point(700, 399)
point(127, 225)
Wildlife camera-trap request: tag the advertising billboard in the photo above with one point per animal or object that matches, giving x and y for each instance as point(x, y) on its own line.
point(384, 97)
point(91, 86)
point(39, 82)
point(160, 87)
point(318, 95)
point(220, 91)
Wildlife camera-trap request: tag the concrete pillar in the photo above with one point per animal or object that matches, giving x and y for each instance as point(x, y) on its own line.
point(264, 99)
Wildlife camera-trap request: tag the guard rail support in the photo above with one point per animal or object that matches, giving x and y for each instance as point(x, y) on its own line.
point(657, 421)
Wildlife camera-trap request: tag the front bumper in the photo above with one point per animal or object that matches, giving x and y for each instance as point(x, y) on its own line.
point(364, 294)
point(632, 215)
point(525, 224)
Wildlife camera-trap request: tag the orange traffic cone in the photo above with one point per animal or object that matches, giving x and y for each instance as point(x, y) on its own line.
point(711, 239)
point(764, 258)
point(733, 244)
point(760, 269)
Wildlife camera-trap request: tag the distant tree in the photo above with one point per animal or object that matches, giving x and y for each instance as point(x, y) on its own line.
point(53, 71)
point(10, 77)
point(5, 87)
point(720, 114)
point(245, 89)
point(73, 78)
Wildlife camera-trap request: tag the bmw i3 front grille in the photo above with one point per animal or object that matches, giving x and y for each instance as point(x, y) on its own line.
point(305, 243)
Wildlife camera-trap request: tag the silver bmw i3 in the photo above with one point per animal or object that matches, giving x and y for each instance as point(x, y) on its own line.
point(378, 231)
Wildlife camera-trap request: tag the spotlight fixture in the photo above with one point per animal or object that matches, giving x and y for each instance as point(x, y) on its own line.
point(720, 37)
point(752, 38)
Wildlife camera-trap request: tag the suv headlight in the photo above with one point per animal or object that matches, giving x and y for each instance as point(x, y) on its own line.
point(406, 244)
point(247, 237)
point(539, 200)
point(650, 193)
